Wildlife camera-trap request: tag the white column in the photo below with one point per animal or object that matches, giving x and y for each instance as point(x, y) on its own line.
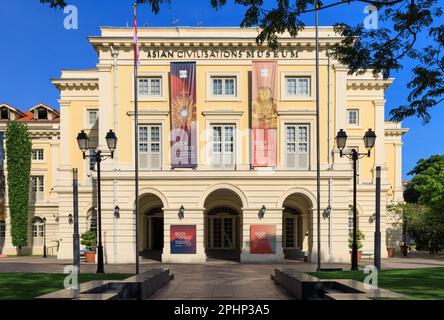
point(379, 149)
point(340, 114)
point(105, 107)
point(65, 143)
point(398, 196)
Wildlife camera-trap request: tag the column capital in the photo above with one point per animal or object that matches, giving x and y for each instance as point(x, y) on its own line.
point(379, 102)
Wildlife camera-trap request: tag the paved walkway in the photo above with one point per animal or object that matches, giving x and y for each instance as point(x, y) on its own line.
point(215, 279)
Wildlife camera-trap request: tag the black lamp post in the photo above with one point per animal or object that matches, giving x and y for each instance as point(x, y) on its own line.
point(369, 142)
point(44, 238)
point(83, 142)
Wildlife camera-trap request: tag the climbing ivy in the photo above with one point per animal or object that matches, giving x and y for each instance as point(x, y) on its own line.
point(18, 159)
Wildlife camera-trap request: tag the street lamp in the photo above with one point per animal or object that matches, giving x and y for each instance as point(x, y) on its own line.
point(261, 212)
point(83, 142)
point(369, 142)
point(44, 238)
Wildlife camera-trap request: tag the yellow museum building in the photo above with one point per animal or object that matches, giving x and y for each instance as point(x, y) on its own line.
point(224, 196)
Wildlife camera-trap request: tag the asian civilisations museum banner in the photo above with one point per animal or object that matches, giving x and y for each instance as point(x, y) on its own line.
point(183, 115)
point(264, 114)
point(183, 239)
point(262, 238)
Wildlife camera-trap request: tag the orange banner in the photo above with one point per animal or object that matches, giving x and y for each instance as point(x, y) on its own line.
point(264, 114)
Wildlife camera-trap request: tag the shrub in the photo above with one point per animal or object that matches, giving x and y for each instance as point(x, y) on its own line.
point(89, 240)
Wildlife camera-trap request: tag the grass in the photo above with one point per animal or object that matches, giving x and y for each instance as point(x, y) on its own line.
point(23, 286)
point(418, 284)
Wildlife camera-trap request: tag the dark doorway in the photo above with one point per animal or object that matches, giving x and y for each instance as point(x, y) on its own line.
point(157, 233)
point(154, 233)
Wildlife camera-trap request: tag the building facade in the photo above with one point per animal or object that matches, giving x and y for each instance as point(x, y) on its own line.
point(227, 148)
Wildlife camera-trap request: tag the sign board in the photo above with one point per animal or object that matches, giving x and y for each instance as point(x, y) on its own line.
point(183, 239)
point(262, 238)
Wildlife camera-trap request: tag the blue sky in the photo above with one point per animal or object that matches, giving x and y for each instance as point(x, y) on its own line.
point(35, 47)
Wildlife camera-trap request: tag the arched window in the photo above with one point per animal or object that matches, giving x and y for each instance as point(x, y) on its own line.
point(38, 231)
point(92, 220)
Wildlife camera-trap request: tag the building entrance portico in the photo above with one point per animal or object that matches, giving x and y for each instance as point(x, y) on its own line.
point(223, 221)
point(151, 224)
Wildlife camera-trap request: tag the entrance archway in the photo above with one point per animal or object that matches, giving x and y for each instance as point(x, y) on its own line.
point(223, 225)
point(296, 227)
point(151, 227)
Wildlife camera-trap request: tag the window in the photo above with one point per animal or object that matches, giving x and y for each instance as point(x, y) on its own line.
point(92, 116)
point(93, 220)
point(38, 231)
point(149, 147)
point(2, 229)
point(223, 86)
point(42, 114)
point(150, 87)
point(37, 154)
point(297, 147)
point(223, 152)
point(4, 113)
point(297, 86)
point(353, 117)
point(37, 188)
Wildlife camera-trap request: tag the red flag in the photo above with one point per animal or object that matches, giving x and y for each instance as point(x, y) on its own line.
point(136, 40)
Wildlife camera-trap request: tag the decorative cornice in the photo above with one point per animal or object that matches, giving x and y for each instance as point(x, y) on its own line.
point(294, 112)
point(73, 84)
point(150, 112)
point(223, 112)
point(368, 83)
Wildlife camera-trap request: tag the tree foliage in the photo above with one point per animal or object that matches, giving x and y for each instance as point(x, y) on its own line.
point(18, 155)
point(425, 212)
point(382, 50)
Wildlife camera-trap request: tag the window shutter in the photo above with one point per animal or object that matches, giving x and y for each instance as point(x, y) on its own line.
point(291, 160)
point(303, 161)
point(143, 161)
point(155, 160)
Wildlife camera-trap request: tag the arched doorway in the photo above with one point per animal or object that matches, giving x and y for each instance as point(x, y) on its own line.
point(151, 227)
point(296, 227)
point(223, 225)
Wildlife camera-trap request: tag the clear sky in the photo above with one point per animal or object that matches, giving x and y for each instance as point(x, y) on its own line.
point(35, 46)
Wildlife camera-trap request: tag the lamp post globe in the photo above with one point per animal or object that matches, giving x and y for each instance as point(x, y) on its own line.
point(341, 140)
point(111, 141)
point(83, 142)
point(369, 140)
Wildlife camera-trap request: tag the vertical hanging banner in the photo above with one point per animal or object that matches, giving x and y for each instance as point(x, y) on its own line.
point(183, 115)
point(264, 114)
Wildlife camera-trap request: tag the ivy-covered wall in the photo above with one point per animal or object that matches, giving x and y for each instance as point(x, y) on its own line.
point(18, 159)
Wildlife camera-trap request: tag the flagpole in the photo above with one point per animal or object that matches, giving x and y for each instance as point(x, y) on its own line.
point(136, 140)
point(318, 157)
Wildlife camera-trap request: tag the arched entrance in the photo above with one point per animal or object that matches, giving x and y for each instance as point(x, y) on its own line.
point(151, 227)
point(296, 227)
point(223, 225)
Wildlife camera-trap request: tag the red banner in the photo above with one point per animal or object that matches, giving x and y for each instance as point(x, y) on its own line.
point(264, 114)
point(183, 115)
point(263, 238)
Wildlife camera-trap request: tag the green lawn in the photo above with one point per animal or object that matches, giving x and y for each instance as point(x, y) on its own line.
point(20, 285)
point(426, 283)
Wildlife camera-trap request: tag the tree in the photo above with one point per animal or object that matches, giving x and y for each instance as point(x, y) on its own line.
point(18, 159)
point(425, 213)
point(383, 50)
